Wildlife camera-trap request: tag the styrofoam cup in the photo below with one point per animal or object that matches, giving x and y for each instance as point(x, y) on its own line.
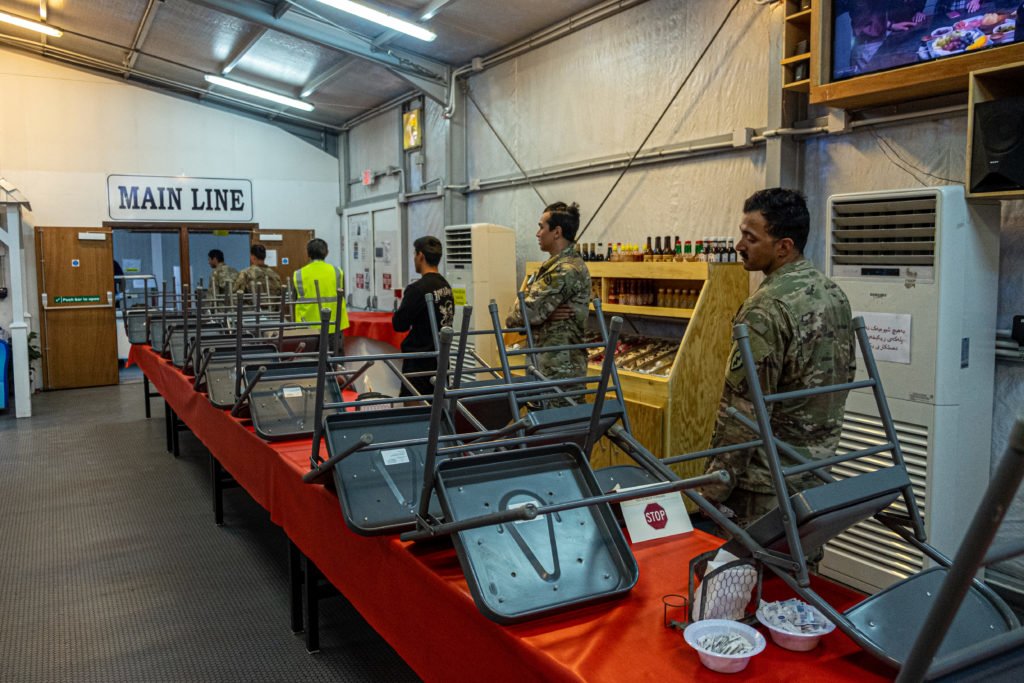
point(725, 664)
point(798, 642)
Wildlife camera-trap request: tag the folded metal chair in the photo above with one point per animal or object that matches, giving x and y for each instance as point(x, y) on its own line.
point(939, 652)
point(885, 623)
point(135, 315)
point(378, 459)
point(533, 530)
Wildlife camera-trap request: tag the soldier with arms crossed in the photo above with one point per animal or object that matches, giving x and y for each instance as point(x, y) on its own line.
point(558, 295)
point(801, 335)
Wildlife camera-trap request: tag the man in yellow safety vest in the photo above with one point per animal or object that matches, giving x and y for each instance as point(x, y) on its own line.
point(328, 277)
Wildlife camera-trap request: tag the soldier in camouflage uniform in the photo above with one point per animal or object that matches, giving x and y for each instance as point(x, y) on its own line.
point(557, 295)
point(222, 279)
point(801, 336)
point(258, 276)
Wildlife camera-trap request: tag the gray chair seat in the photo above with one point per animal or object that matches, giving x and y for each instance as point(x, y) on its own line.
point(571, 424)
point(825, 511)
point(894, 617)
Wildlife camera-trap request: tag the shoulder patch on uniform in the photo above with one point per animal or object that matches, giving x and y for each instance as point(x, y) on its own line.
point(736, 362)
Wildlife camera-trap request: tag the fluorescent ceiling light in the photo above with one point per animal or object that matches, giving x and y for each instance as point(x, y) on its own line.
point(259, 92)
point(382, 18)
point(30, 25)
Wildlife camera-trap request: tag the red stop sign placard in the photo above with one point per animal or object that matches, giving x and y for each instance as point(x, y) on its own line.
point(655, 516)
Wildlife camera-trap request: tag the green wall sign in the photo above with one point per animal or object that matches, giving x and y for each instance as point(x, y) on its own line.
point(76, 299)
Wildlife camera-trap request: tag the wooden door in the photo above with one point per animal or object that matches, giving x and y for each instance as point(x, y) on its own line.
point(286, 249)
point(76, 285)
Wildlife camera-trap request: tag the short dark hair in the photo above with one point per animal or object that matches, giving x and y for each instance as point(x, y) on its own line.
point(316, 249)
point(564, 216)
point(217, 254)
point(785, 211)
point(431, 249)
point(259, 251)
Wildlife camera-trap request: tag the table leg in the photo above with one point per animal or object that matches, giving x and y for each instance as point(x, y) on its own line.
point(218, 491)
point(175, 440)
point(167, 426)
point(145, 392)
point(311, 603)
point(295, 580)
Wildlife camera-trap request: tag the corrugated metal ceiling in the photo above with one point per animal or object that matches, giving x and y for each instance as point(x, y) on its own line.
point(296, 48)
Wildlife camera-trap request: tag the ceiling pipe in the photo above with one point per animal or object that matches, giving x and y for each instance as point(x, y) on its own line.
point(140, 35)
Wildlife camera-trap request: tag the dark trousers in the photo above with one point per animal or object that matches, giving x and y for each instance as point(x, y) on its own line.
point(423, 385)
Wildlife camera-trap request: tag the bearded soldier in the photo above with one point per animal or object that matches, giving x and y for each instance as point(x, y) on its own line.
point(801, 335)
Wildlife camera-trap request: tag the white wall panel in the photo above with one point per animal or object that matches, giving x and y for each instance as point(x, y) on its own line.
point(885, 158)
point(374, 145)
point(65, 130)
point(598, 91)
point(1009, 387)
point(434, 149)
point(424, 218)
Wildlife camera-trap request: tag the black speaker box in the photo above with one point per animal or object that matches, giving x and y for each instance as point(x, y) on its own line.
point(997, 146)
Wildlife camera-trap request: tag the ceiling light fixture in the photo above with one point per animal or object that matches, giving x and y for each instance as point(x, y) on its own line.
point(259, 92)
point(30, 25)
point(382, 18)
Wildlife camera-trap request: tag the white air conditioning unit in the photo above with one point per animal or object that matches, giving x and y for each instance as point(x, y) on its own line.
point(922, 267)
point(480, 265)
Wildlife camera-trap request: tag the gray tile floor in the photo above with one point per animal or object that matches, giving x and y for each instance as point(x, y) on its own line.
point(111, 568)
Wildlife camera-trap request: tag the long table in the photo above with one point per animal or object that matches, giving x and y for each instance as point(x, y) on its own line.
point(374, 325)
point(416, 597)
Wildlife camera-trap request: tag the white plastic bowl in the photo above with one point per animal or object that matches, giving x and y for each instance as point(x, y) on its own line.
point(798, 642)
point(725, 664)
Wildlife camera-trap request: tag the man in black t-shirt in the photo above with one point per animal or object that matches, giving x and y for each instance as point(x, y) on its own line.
point(412, 314)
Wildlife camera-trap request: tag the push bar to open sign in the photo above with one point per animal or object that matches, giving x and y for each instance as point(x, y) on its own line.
point(76, 299)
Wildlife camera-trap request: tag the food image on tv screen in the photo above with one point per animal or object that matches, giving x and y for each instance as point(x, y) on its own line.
point(876, 35)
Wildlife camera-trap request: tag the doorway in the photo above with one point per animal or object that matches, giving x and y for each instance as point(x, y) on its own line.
point(75, 272)
point(143, 251)
point(173, 255)
point(373, 262)
point(234, 244)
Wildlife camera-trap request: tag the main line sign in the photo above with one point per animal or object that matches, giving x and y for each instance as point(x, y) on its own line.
point(175, 198)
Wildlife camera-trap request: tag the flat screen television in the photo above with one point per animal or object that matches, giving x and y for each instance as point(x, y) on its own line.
point(870, 36)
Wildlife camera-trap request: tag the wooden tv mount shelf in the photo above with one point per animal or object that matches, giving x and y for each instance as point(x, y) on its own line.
point(902, 84)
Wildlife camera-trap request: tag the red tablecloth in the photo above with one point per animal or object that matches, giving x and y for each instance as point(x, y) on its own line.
point(417, 599)
point(373, 325)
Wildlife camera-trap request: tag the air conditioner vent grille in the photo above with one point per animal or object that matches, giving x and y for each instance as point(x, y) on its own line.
point(458, 247)
point(869, 542)
point(894, 232)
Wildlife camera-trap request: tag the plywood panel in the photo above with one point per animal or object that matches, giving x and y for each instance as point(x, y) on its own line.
point(81, 349)
point(291, 246)
point(648, 423)
point(699, 372)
